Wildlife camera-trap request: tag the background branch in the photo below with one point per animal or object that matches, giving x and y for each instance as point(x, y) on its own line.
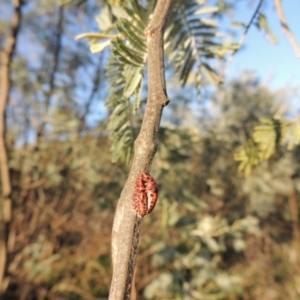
point(5, 202)
point(285, 28)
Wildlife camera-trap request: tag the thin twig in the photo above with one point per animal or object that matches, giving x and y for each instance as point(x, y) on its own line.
point(285, 28)
point(241, 41)
point(52, 75)
point(94, 91)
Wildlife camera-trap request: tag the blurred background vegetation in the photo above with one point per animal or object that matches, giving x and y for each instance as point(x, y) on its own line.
point(215, 234)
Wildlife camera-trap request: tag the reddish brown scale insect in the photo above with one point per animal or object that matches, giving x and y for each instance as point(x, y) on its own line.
point(145, 194)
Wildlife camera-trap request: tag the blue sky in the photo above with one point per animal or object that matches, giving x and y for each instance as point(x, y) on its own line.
point(275, 64)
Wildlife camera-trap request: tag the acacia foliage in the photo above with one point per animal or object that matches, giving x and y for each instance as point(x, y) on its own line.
point(193, 43)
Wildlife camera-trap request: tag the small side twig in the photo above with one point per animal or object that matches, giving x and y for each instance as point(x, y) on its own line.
point(285, 28)
point(241, 40)
point(133, 254)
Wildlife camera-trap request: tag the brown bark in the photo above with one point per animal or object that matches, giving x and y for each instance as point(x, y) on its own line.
point(5, 200)
point(126, 225)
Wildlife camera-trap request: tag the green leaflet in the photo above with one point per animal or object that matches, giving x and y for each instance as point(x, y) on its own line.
point(266, 139)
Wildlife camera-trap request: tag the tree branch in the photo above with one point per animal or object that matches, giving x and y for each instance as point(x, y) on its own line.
point(285, 28)
point(5, 200)
point(126, 223)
